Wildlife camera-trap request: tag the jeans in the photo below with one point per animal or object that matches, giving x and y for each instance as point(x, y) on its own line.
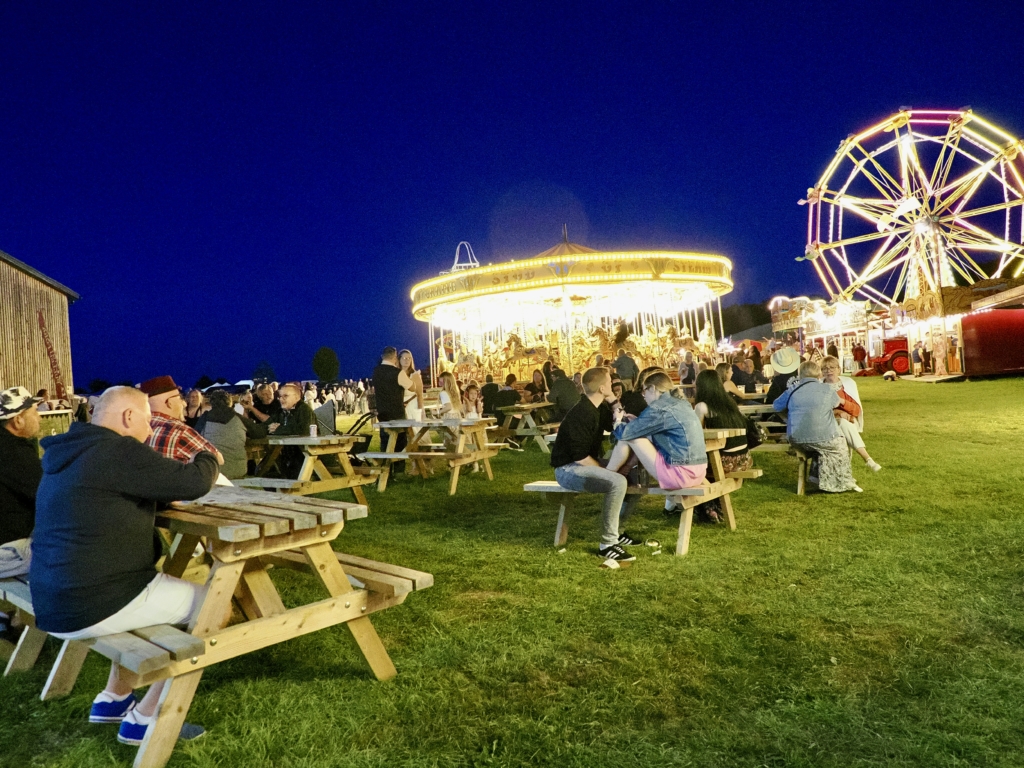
point(579, 477)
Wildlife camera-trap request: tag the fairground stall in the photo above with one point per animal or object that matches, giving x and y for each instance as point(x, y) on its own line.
point(914, 220)
point(568, 305)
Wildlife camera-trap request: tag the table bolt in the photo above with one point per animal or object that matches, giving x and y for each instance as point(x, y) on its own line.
point(195, 659)
point(323, 533)
point(213, 641)
point(238, 552)
point(348, 605)
point(363, 609)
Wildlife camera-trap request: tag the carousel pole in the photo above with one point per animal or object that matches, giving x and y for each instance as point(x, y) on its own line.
point(721, 324)
point(433, 356)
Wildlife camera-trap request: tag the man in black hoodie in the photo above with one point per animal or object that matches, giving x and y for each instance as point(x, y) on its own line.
point(93, 552)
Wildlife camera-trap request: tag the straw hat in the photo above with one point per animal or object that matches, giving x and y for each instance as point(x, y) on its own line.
point(785, 360)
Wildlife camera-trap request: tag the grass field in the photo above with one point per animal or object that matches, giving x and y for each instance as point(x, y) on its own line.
point(883, 628)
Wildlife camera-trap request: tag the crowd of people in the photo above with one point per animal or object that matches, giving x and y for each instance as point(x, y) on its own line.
point(80, 522)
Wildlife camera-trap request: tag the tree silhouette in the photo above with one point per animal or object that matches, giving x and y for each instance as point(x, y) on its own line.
point(325, 364)
point(98, 385)
point(264, 372)
point(204, 382)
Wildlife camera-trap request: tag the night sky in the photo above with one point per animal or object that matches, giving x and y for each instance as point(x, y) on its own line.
point(231, 182)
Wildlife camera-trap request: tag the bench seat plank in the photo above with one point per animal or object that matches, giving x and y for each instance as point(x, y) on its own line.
point(269, 526)
point(550, 486)
point(131, 652)
point(180, 645)
point(375, 581)
point(16, 591)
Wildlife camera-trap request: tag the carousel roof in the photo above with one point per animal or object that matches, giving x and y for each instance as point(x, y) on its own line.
point(573, 278)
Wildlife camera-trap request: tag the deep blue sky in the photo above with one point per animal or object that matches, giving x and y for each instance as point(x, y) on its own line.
point(231, 182)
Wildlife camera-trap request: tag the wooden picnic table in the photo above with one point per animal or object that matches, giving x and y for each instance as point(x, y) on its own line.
point(756, 409)
point(755, 395)
point(314, 476)
point(244, 532)
point(464, 441)
point(527, 427)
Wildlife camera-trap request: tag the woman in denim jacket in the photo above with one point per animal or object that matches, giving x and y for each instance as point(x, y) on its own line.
point(667, 437)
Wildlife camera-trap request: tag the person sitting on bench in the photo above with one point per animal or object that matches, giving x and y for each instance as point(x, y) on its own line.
point(576, 457)
point(811, 427)
point(667, 437)
point(94, 544)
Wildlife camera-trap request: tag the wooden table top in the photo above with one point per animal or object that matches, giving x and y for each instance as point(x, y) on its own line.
point(230, 514)
point(523, 407)
point(308, 440)
point(433, 423)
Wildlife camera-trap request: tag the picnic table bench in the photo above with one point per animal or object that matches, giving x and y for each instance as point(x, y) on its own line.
point(527, 427)
point(465, 442)
point(720, 487)
point(245, 532)
point(314, 476)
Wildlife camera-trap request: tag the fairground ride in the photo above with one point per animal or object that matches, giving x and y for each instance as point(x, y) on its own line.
point(569, 304)
point(913, 218)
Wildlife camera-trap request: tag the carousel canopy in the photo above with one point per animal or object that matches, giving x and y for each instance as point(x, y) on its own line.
point(571, 280)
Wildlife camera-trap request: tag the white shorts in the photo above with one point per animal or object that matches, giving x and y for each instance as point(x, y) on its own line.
point(165, 600)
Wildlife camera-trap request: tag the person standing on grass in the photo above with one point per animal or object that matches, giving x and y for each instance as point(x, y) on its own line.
point(576, 457)
point(94, 547)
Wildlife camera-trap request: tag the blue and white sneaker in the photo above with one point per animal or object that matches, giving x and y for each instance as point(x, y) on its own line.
point(107, 709)
point(133, 729)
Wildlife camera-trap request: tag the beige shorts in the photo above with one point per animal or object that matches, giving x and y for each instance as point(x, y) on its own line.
point(165, 600)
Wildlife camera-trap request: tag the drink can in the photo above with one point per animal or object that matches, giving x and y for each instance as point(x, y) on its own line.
point(312, 430)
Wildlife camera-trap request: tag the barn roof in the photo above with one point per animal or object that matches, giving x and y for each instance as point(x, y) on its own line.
point(72, 296)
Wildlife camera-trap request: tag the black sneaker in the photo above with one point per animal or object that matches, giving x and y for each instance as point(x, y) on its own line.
point(625, 540)
point(615, 552)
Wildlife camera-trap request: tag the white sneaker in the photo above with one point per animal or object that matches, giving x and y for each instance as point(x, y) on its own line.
point(874, 466)
point(858, 489)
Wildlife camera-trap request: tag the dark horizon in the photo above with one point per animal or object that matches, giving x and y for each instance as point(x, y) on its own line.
point(244, 182)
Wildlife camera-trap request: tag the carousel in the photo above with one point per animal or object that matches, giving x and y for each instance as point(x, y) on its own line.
point(568, 305)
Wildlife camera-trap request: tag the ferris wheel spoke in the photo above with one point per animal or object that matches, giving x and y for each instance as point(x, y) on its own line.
point(887, 261)
point(971, 234)
point(868, 237)
point(963, 264)
point(885, 184)
point(951, 217)
point(950, 142)
point(965, 186)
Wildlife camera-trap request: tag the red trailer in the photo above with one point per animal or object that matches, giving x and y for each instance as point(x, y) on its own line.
point(895, 357)
point(993, 342)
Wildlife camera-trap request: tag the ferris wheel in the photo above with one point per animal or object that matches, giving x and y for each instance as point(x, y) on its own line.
point(924, 199)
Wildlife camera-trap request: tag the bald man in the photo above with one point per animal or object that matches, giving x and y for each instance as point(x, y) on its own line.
point(294, 418)
point(93, 550)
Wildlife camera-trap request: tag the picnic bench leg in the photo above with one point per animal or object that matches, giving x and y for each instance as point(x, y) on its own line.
point(685, 524)
point(30, 643)
point(564, 502)
point(176, 697)
point(162, 734)
point(65, 670)
point(180, 556)
point(382, 479)
point(718, 472)
point(357, 491)
point(256, 593)
point(801, 474)
point(324, 562)
point(269, 460)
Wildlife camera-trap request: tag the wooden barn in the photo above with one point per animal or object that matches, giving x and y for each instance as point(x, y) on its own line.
point(35, 343)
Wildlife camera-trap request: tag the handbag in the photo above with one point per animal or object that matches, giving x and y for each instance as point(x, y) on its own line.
point(753, 435)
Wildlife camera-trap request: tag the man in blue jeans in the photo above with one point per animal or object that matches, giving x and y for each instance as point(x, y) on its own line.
point(577, 454)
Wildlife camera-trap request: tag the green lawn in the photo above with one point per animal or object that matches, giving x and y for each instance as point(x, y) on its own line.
point(883, 628)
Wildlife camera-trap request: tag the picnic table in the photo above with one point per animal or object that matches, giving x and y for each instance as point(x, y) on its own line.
point(756, 409)
point(244, 533)
point(464, 441)
point(755, 395)
point(527, 427)
point(720, 486)
point(314, 476)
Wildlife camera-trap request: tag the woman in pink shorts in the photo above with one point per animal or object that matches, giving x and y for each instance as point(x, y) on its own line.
point(667, 437)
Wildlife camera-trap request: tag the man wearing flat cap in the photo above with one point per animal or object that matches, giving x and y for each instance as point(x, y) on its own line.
point(20, 473)
point(172, 437)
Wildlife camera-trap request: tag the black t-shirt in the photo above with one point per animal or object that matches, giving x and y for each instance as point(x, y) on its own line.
point(581, 433)
point(487, 392)
point(270, 409)
point(633, 402)
point(390, 397)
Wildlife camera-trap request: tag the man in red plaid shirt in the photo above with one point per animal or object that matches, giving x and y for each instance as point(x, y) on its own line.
point(171, 436)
